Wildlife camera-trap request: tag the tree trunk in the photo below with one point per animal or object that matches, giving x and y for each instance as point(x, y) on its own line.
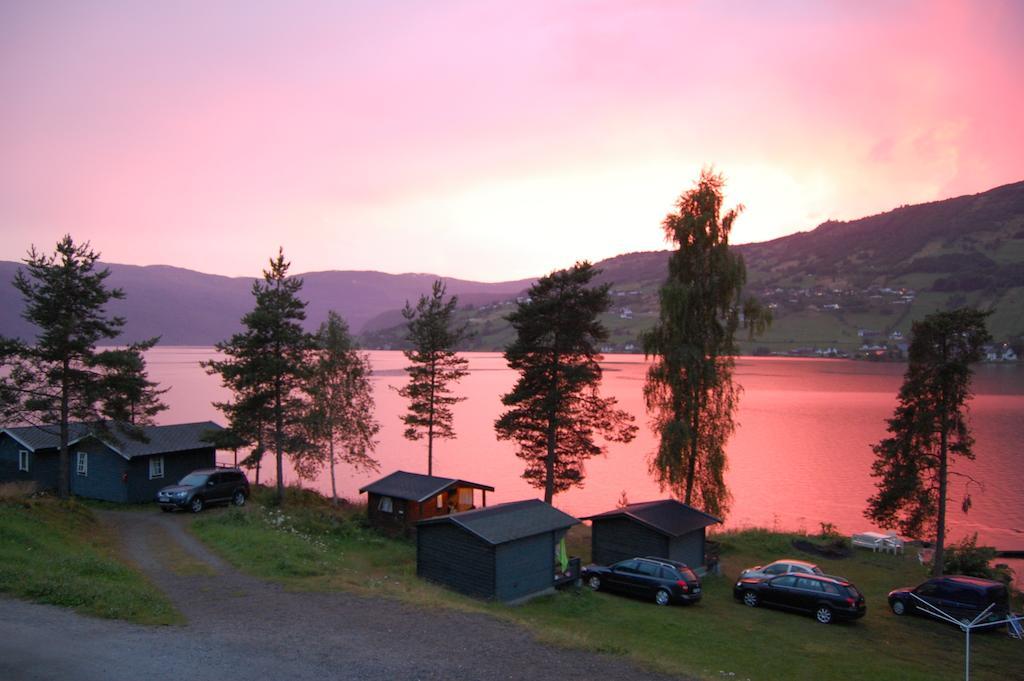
point(694, 445)
point(278, 445)
point(430, 421)
point(549, 460)
point(64, 482)
point(334, 487)
point(938, 563)
point(259, 449)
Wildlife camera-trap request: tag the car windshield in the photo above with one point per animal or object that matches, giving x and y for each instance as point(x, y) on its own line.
point(816, 570)
point(853, 591)
point(193, 479)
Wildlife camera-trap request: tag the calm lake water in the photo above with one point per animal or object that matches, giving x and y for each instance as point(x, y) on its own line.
point(800, 456)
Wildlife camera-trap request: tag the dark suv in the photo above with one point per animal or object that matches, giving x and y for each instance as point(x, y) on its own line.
point(963, 598)
point(827, 598)
point(666, 581)
point(203, 487)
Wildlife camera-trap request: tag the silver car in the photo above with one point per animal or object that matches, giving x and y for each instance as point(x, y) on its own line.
point(782, 567)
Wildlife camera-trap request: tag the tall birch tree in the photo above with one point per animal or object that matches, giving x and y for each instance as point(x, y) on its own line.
point(690, 392)
point(341, 422)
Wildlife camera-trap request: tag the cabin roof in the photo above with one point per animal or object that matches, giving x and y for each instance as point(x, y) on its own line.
point(415, 486)
point(507, 522)
point(178, 437)
point(667, 516)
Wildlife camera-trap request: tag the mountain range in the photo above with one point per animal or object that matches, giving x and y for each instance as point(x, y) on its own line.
point(838, 285)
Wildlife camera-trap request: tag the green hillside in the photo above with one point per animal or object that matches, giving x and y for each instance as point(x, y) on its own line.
point(842, 286)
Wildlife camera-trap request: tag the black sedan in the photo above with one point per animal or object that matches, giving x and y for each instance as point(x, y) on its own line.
point(665, 581)
point(827, 598)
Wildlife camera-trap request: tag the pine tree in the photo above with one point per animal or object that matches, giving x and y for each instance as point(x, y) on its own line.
point(929, 428)
point(62, 377)
point(435, 366)
point(266, 367)
point(340, 421)
point(690, 392)
point(555, 410)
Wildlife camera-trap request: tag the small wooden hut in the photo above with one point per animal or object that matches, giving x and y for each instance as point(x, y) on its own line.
point(660, 529)
point(507, 552)
point(396, 502)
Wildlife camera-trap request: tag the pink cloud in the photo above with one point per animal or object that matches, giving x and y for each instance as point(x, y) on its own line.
point(204, 135)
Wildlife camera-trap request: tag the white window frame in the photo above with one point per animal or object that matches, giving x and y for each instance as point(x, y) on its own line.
point(83, 464)
point(156, 467)
point(23, 462)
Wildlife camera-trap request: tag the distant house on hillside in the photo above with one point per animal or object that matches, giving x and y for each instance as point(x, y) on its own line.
point(398, 501)
point(110, 467)
point(660, 529)
point(506, 552)
point(999, 353)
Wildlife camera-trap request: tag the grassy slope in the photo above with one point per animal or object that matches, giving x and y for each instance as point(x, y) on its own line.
point(308, 547)
point(57, 553)
point(877, 250)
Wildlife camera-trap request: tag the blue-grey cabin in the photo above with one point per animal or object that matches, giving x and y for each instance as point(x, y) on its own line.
point(659, 529)
point(111, 467)
point(505, 552)
point(396, 502)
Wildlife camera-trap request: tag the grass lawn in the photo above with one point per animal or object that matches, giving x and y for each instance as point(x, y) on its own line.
point(57, 553)
point(309, 546)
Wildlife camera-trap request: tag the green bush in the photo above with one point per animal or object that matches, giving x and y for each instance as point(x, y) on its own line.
point(967, 558)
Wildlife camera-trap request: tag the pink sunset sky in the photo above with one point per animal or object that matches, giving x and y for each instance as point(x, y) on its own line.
point(484, 140)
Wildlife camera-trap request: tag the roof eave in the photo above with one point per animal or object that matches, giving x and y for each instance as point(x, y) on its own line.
point(102, 442)
point(19, 440)
point(494, 543)
point(659, 530)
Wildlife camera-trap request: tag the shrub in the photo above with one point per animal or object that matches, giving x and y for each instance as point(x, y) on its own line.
point(967, 558)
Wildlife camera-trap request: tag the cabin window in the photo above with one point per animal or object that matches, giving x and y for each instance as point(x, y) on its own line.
point(83, 463)
point(22, 460)
point(156, 467)
point(385, 505)
point(465, 497)
point(440, 502)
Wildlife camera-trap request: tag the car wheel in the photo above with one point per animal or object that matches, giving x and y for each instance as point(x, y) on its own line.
point(750, 598)
point(662, 597)
point(899, 608)
point(823, 614)
point(197, 505)
point(239, 498)
point(594, 582)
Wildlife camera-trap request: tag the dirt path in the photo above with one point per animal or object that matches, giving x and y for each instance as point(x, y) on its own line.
point(242, 627)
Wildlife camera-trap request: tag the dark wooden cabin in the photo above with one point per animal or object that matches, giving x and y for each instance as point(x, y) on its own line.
point(506, 552)
point(395, 503)
point(660, 529)
point(110, 465)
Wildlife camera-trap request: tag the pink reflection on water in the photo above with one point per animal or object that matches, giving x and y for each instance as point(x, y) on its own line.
point(800, 456)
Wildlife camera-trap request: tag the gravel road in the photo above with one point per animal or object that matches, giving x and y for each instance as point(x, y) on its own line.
point(240, 627)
